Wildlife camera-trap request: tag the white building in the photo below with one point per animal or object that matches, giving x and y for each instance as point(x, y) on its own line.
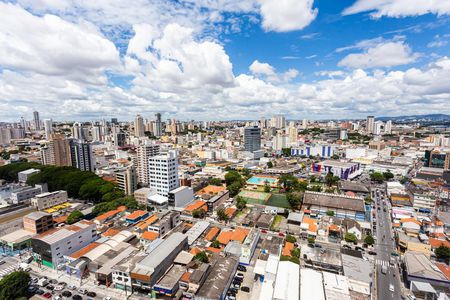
point(24, 175)
point(163, 172)
point(127, 180)
point(287, 284)
point(49, 199)
point(180, 197)
point(424, 201)
point(139, 126)
point(143, 153)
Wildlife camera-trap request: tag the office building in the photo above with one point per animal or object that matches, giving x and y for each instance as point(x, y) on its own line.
point(50, 248)
point(278, 122)
point(143, 154)
point(23, 194)
point(252, 138)
point(437, 159)
point(36, 121)
point(370, 124)
point(82, 155)
point(139, 126)
point(48, 128)
point(24, 175)
point(158, 125)
point(163, 172)
point(127, 180)
point(38, 222)
point(304, 124)
point(57, 151)
point(48, 199)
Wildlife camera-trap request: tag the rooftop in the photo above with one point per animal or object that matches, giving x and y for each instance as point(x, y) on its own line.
point(36, 215)
point(417, 264)
point(353, 186)
point(334, 201)
point(171, 278)
point(216, 282)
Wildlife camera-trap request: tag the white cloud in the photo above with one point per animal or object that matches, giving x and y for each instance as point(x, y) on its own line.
point(268, 72)
point(399, 8)
point(386, 54)
point(287, 15)
point(439, 41)
point(51, 46)
point(259, 68)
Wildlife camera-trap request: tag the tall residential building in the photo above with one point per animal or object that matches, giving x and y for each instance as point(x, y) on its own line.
point(139, 126)
point(57, 152)
point(388, 127)
point(377, 127)
point(293, 134)
point(370, 123)
point(163, 172)
point(304, 124)
point(82, 155)
point(252, 138)
point(158, 125)
point(77, 131)
point(36, 121)
point(96, 133)
point(143, 153)
point(278, 121)
point(48, 128)
point(127, 180)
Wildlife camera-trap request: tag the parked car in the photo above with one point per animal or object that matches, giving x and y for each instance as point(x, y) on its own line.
point(91, 294)
point(242, 268)
point(47, 295)
point(72, 287)
point(245, 289)
point(82, 291)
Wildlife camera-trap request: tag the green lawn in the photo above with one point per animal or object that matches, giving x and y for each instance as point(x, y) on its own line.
point(276, 222)
point(278, 200)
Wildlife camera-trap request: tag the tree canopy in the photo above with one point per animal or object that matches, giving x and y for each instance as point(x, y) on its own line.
point(202, 257)
point(74, 217)
point(369, 240)
point(221, 215)
point(443, 253)
point(350, 238)
point(14, 286)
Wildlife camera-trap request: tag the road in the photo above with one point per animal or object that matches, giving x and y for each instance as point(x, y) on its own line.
point(384, 247)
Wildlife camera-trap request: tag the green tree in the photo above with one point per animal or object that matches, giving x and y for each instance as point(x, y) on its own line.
point(14, 285)
point(290, 239)
point(198, 213)
point(234, 188)
point(350, 238)
point(232, 177)
point(442, 252)
point(388, 175)
point(368, 199)
point(288, 182)
point(330, 213)
point(311, 240)
point(215, 181)
point(202, 257)
point(266, 187)
point(240, 203)
point(295, 252)
point(330, 179)
point(369, 240)
point(221, 215)
point(286, 151)
point(215, 244)
point(74, 217)
point(294, 198)
point(315, 188)
point(377, 177)
point(270, 165)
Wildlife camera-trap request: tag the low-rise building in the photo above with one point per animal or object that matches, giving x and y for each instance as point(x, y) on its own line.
point(180, 197)
point(38, 222)
point(24, 175)
point(49, 199)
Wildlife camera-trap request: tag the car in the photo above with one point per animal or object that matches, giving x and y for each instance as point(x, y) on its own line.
point(53, 281)
point(281, 234)
point(391, 287)
point(57, 297)
point(77, 297)
point(50, 287)
point(347, 247)
point(72, 287)
point(242, 268)
point(359, 248)
point(47, 295)
point(32, 289)
point(34, 279)
point(263, 231)
point(240, 275)
point(394, 254)
point(245, 289)
point(318, 245)
point(40, 292)
point(59, 288)
point(82, 291)
point(66, 294)
point(91, 294)
point(372, 253)
point(110, 298)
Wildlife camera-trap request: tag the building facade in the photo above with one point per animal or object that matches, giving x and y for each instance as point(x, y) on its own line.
point(163, 172)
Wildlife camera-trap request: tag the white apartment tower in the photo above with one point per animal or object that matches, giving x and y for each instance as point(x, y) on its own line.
point(370, 124)
point(388, 127)
point(163, 172)
point(278, 121)
point(139, 126)
point(143, 153)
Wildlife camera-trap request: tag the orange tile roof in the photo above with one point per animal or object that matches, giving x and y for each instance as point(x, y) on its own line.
point(212, 233)
point(214, 250)
point(84, 250)
point(196, 205)
point(195, 251)
point(334, 227)
point(230, 211)
point(145, 223)
point(122, 208)
point(149, 235)
point(413, 220)
point(239, 235)
point(224, 237)
point(211, 189)
point(110, 232)
point(61, 219)
point(185, 277)
point(287, 249)
point(435, 243)
point(439, 223)
point(136, 214)
point(444, 269)
point(107, 215)
point(312, 224)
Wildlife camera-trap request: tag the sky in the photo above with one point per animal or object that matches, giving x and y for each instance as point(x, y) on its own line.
point(223, 59)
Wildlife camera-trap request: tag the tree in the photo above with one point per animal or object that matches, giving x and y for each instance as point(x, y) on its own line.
point(335, 156)
point(14, 286)
point(232, 177)
point(221, 215)
point(369, 240)
point(294, 199)
point(330, 179)
point(74, 217)
point(311, 240)
point(295, 252)
point(368, 199)
point(215, 244)
point(286, 151)
point(377, 176)
point(202, 257)
point(215, 181)
point(234, 188)
point(315, 188)
point(198, 213)
point(388, 175)
point(442, 252)
point(330, 213)
point(290, 239)
point(288, 181)
point(240, 203)
point(270, 165)
point(350, 238)
point(266, 187)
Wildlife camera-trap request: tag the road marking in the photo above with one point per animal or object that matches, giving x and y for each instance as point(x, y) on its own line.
point(380, 262)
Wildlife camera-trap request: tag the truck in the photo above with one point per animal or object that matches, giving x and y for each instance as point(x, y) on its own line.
point(383, 269)
point(42, 282)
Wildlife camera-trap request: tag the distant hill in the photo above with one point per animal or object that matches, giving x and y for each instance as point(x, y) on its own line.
point(417, 118)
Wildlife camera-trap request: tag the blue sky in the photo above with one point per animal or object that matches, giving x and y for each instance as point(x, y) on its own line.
point(223, 59)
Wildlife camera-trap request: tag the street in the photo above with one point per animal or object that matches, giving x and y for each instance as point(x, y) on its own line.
point(384, 248)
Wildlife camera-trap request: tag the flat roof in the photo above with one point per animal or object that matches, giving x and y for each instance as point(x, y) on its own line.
point(417, 264)
point(218, 278)
point(334, 201)
point(57, 234)
point(196, 231)
point(336, 286)
point(36, 215)
point(287, 284)
point(171, 278)
point(311, 286)
point(17, 236)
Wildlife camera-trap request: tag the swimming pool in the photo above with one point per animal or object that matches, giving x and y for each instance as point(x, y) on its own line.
point(261, 180)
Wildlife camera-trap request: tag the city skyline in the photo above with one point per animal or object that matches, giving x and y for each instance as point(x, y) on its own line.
point(303, 59)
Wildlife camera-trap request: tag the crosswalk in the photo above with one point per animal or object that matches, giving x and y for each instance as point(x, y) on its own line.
point(381, 262)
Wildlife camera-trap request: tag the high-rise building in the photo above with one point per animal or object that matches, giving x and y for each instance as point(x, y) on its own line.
point(48, 128)
point(57, 152)
point(293, 134)
point(163, 172)
point(78, 132)
point(158, 125)
point(437, 159)
point(127, 180)
point(370, 124)
point(377, 127)
point(278, 121)
point(388, 127)
point(143, 153)
point(96, 133)
point(304, 124)
point(114, 121)
point(36, 121)
point(139, 126)
point(252, 138)
point(82, 155)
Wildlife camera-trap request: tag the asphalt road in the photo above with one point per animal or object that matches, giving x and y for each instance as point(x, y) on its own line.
point(384, 248)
